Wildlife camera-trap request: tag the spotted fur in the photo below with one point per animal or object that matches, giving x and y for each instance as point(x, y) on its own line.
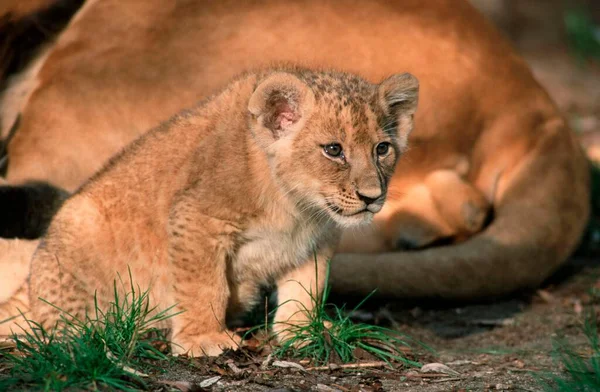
point(223, 198)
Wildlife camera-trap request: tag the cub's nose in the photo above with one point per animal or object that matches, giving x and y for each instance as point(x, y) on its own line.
point(369, 197)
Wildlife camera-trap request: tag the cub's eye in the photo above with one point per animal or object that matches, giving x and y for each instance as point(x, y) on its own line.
point(333, 150)
point(382, 148)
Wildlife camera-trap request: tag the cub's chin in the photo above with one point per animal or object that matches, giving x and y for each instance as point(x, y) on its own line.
point(346, 220)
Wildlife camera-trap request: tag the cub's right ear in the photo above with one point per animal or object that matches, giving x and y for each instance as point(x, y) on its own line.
point(280, 105)
point(398, 97)
point(399, 92)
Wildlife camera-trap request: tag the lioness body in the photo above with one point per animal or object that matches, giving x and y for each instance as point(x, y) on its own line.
point(244, 194)
point(484, 124)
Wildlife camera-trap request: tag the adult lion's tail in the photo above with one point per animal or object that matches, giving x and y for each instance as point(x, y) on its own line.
point(540, 213)
point(27, 210)
point(25, 25)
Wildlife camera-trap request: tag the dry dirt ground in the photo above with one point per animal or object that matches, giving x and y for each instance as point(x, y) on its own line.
point(486, 347)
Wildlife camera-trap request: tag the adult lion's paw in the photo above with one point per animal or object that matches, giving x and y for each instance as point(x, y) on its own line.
point(209, 345)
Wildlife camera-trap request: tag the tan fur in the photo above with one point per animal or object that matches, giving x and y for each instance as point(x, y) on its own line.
point(15, 260)
point(16, 268)
point(17, 92)
point(244, 194)
point(122, 67)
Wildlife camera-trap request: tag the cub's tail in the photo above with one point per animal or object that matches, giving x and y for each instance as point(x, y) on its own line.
point(540, 213)
point(26, 210)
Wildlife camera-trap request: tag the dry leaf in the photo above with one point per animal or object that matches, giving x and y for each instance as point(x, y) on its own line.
point(234, 368)
point(287, 364)
point(438, 368)
point(266, 362)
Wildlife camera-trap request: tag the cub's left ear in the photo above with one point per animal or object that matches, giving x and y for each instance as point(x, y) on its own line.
point(398, 97)
point(280, 105)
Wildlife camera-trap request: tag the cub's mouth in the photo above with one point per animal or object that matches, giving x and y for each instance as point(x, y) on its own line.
point(369, 208)
point(355, 217)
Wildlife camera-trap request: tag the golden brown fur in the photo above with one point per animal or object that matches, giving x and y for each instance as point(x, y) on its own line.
point(246, 192)
point(484, 125)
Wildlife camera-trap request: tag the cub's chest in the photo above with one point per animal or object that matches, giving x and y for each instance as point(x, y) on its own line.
point(267, 253)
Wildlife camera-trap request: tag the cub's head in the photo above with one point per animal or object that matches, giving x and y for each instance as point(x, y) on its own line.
point(333, 139)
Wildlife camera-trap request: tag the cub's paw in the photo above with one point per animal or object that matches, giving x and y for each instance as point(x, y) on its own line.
point(209, 345)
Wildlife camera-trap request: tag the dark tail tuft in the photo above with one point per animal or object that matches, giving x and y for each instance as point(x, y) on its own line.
point(27, 210)
point(22, 35)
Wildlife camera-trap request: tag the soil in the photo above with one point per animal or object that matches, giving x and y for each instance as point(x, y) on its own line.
point(496, 346)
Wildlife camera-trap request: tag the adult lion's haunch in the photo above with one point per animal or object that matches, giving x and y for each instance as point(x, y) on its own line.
point(492, 170)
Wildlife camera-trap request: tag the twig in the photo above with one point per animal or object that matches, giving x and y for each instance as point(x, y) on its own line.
point(493, 322)
point(447, 379)
point(425, 375)
point(340, 387)
point(266, 314)
point(350, 366)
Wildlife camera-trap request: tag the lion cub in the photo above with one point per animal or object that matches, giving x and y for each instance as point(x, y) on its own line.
point(246, 189)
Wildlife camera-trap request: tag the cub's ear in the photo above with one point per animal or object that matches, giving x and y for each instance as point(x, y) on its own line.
point(280, 105)
point(398, 97)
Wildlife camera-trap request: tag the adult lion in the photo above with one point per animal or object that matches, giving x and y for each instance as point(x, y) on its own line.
point(493, 171)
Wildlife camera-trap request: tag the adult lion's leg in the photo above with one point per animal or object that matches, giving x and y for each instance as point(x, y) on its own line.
point(540, 212)
point(462, 206)
point(442, 207)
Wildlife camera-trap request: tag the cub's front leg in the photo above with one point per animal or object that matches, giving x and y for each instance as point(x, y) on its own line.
point(298, 293)
point(197, 250)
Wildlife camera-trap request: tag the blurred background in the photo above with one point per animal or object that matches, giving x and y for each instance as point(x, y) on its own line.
point(560, 39)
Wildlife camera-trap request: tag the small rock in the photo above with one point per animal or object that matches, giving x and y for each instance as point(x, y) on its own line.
point(325, 388)
point(209, 381)
point(518, 364)
point(416, 312)
point(546, 296)
point(577, 307)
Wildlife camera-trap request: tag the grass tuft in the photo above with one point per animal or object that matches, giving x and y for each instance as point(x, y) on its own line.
point(582, 371)
point(330, 335)
point(95, 353)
